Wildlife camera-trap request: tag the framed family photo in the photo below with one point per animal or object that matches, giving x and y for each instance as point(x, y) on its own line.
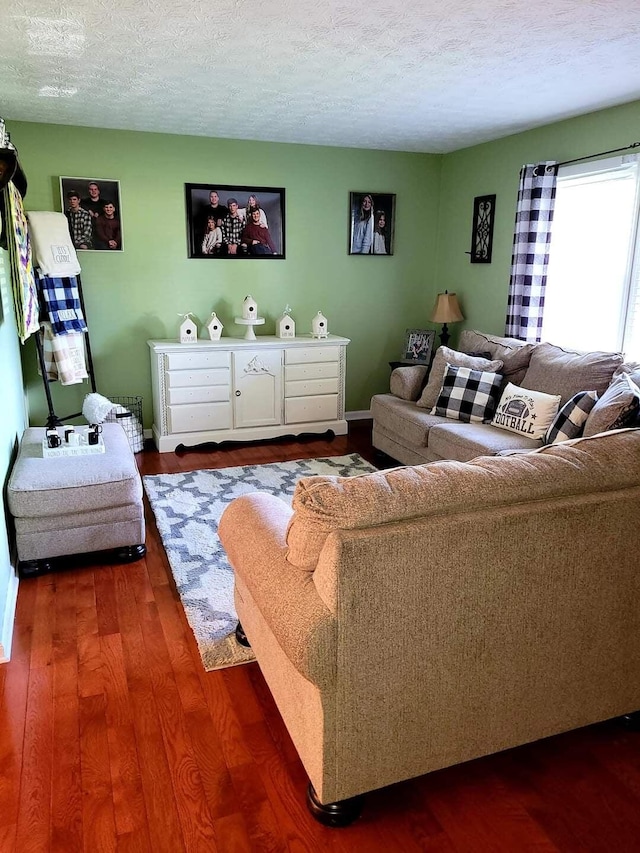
point(371, 223)
point(92, 206)
point(418, 344)
point(231, 221)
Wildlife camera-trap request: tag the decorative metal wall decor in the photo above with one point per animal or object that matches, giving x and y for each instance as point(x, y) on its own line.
point(484, 210)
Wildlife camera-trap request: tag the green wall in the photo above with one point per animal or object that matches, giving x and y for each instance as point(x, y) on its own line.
point(137, 294)
point(12, 423)
point(494, 168)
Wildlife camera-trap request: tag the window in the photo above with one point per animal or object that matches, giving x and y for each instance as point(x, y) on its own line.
point(592, 298)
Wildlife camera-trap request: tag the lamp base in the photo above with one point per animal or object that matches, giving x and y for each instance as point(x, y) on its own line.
point(444, 335)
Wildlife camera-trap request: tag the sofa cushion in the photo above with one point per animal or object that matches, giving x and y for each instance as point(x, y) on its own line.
point(571, 418)
point(468, 395)
point(401, 417)
point(445, 356)
point(526, 412)
point(463, 442)
point(617, 407)
point(581, 467)
point(514, 354)
point(554, 370)
point(406, 382)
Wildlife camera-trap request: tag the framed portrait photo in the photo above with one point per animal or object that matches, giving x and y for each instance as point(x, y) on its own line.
point(418, 345)
point(92, 206)
point(231, 221)
point(371, 223)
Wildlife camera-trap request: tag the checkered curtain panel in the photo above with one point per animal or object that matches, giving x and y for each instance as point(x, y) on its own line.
point(534, 215)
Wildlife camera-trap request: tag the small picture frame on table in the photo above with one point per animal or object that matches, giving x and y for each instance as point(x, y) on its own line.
point(418, 346)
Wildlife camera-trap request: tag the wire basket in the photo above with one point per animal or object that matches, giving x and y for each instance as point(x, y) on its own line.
point(127, 411)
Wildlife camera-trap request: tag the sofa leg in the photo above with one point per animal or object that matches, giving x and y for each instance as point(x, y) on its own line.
point(130, 553)
point(337, 814)
point(241, 637)
point(632, 721)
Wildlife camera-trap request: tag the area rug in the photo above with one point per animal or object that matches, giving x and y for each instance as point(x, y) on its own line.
point(188, 507)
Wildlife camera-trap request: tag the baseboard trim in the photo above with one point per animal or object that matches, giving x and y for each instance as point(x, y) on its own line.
point(8, 618)
point(361, 415)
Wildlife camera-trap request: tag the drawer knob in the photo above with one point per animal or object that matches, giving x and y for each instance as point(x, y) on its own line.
point(238, 393)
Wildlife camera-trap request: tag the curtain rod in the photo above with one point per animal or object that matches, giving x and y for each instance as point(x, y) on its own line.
point(600, 154)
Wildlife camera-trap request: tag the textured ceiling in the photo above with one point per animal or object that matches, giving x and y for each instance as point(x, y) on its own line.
point(428, 75)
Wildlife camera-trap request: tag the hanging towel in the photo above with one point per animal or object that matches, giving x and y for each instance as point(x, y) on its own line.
point(52, 245)
point(25, 294)
point(64, 356)
point(61, 301)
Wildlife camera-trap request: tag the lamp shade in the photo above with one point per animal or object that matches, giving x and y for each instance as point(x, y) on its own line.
point(446, 309)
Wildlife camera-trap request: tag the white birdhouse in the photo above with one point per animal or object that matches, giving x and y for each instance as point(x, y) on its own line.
point(214, 327)
point(285, 325)
point(249, 308)
point(319, 326)
point(188, 329)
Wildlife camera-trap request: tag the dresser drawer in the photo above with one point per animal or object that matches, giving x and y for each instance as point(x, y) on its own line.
point(200, 416)
point(194, 360)
point(310, 387)
point(188, 378)
point(198, 394)
point(323, 370)
point(304, 355)
point(301, 410)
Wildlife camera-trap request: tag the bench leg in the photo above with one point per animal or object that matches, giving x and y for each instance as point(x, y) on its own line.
point(241, 637)
point(130, 553)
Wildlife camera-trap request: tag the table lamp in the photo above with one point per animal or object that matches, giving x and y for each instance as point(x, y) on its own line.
point(446, 310)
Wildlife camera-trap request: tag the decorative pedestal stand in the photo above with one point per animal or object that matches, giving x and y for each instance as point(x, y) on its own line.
point(250, 335)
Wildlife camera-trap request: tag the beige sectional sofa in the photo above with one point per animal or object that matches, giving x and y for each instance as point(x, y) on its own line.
point(411, 619)
point(404, 429)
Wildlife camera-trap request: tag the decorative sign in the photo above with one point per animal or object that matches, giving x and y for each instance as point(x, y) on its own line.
point(484, 208)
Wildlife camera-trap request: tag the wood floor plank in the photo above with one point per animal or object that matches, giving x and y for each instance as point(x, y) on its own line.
point(98, 821)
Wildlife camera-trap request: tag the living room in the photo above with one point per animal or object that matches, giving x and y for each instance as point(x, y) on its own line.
point(137, 294)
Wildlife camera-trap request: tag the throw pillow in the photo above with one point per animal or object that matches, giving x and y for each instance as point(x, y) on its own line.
point(406, 382)
point(570, 420)
point(468, 395)
point(526, 412)
point(445, 356)
point(618, 407)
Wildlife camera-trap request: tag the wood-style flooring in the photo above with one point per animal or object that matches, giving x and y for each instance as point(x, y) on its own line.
point(113, 738)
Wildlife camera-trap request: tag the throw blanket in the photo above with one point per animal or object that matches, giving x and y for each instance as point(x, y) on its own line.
point(52, 245)
point(61, 300)
point(25, 295)
point(64, 357)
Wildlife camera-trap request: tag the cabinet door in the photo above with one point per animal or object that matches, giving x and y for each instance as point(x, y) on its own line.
point(257, 388)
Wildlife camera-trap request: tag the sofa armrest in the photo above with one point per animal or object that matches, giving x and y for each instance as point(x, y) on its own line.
point(252, 531)
point(407, 382)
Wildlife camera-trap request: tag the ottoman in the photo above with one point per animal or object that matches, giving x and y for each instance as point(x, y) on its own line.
point(75, 504)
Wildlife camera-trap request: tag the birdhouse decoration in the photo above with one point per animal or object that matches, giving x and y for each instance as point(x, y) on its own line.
point(285, 325)
point(188, 329)
point(319, 326)
point(214, 327)
point(249, 308)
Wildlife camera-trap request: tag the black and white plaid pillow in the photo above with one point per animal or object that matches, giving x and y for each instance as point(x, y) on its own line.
point(571, 418)
point(468, 395)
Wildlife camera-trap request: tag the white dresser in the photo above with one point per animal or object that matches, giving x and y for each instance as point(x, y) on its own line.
point(239, 390)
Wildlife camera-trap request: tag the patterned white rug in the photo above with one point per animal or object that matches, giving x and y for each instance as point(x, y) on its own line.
point(188, 507)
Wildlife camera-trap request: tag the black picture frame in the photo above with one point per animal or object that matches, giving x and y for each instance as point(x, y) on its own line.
point(484, 211)
point(370, 234)
point(108, 191)
point(202, 243)
point(418, 346)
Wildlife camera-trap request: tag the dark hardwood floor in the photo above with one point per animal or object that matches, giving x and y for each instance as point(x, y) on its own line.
point(113, 738)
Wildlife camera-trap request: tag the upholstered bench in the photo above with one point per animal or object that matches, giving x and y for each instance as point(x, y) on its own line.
point(75, 504)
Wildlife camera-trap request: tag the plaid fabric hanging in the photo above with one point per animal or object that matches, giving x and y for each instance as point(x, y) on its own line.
point(534, 215)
